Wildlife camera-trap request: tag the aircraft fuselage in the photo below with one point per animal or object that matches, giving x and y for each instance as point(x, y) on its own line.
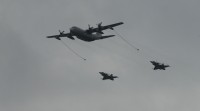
point(83, 35)
point(108, 77)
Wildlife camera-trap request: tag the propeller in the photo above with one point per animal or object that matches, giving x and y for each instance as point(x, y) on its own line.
point(99, 25)
point(89, 31)
point(90, 28)
point(61, 32)
point(100, 28)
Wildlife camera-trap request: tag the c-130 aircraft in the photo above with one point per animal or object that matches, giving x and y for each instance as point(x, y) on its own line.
point(87, 35)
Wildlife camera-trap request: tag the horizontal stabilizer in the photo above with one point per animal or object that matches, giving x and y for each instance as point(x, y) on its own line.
point(107, 36)
point(56, 37)
point(68, 35)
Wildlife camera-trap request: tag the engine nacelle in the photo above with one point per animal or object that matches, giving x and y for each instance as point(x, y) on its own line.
point(100, 28)
point(89, 31)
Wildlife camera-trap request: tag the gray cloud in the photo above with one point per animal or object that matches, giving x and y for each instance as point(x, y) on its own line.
point(40, 74)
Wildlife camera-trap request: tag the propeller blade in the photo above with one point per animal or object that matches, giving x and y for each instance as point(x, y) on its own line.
point(99, 24)
point(61, 32)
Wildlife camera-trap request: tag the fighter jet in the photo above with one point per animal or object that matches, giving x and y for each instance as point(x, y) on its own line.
point(87, 35)
point(107, 76)
point(158, 65)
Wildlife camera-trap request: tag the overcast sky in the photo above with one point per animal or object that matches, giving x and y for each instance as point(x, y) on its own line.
point(40, 74)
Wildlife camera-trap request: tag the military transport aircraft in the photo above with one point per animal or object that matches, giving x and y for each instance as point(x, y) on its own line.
point(89, 34)
point(107, 76)
point(158, 65)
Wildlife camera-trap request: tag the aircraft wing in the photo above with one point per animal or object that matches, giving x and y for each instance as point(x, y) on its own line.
point(61, 35)
point(154, 63)
point(101, 28)
point(111, 26)
point(103, 74)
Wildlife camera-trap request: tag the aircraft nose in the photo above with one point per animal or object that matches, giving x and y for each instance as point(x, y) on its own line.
point(72, 28)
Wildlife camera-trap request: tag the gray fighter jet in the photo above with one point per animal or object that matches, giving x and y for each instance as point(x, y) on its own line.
point(107, 76)
point(158, 65)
